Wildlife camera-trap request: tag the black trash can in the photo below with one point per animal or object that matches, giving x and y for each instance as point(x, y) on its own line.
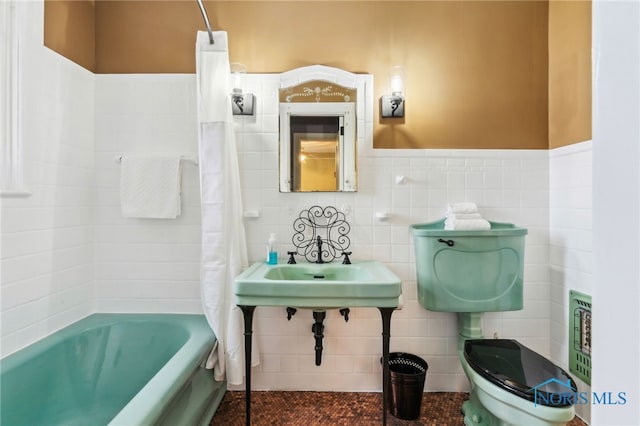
point(408, 374)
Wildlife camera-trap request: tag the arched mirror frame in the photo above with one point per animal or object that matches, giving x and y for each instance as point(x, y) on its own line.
point(322, 88)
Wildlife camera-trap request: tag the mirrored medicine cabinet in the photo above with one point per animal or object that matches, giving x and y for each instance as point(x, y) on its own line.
point(322, 114)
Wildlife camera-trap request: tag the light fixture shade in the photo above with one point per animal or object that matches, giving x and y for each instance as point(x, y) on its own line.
point(393, 106)
point(238, 72)
point(396, 80)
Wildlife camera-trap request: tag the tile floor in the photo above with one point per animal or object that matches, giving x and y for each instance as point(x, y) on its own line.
point(336, 408)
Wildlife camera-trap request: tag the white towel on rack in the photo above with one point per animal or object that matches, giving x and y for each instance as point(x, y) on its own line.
point(466, 224)
point(463, 216)
point(464, 208)
point(150, 186)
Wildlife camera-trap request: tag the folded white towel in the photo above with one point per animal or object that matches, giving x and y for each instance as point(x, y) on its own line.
point(466, 208)
point(150, 186)
point(463, 216)
point(466, 224)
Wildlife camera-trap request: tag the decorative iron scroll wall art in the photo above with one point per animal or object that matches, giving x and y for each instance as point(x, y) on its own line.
point(321, 234)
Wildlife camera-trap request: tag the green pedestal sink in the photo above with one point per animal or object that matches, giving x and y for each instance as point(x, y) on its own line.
point(319, 286)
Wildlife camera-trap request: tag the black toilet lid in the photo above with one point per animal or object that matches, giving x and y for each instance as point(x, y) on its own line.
point(521, 371)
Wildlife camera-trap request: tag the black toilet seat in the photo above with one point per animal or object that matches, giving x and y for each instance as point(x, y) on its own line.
point(520, 371)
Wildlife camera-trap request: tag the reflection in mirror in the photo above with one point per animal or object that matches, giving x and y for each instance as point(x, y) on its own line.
point(316, 155)
point(325, 115)
point(317, 147)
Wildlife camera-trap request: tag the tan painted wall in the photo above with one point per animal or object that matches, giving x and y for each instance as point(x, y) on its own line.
point(69, 29)
point(569, 72)
point(477, 72)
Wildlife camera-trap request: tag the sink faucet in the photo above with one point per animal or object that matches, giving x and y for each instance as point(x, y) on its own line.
point(319, 243)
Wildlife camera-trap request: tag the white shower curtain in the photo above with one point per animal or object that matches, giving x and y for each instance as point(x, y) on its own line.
point(224, 248)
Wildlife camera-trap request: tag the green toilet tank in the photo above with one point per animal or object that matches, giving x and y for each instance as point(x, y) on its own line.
point(469, 271)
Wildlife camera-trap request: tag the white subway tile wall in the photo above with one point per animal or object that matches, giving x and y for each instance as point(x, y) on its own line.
point(47, 238)
point(145, 265)
point(570, 245)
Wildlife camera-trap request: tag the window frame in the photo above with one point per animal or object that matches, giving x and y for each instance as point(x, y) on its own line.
point(11, 171)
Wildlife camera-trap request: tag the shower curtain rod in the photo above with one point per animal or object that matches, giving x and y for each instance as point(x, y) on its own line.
point(206, 20)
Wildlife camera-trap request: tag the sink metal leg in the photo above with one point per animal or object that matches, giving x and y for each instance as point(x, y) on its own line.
point(247, 313)
point(386, 335)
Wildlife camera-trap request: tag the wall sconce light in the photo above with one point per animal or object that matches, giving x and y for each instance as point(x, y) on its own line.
point(393, 106)
point(241, 103)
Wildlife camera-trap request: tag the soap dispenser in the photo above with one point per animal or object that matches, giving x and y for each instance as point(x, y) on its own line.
point(272, 253)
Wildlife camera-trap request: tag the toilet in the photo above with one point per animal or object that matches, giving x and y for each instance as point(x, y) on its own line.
point(470, 272)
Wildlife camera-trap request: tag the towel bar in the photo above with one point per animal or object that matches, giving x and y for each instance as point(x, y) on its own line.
point(187, 158)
